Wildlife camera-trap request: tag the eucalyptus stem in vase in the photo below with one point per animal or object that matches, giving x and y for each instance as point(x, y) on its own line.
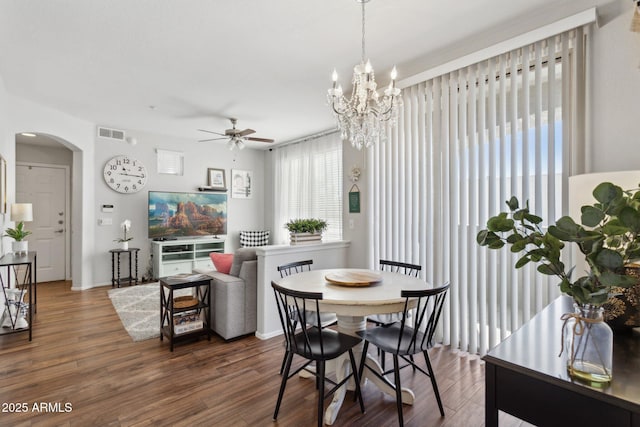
point(607, 236)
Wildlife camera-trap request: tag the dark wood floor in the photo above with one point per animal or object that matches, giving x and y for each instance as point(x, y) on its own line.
point(85, 369)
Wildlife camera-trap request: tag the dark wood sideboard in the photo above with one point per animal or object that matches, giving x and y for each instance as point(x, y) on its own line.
point(525, 377)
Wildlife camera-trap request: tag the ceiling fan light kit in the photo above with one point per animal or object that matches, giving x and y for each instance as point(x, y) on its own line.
point(236, 138)
point(361, 118)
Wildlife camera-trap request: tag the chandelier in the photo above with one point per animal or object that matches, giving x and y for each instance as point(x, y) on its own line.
point(361, 118)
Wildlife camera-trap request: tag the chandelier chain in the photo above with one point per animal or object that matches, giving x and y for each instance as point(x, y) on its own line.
point(363, 51)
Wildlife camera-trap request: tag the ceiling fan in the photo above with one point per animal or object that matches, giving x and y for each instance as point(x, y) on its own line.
point(235, 136)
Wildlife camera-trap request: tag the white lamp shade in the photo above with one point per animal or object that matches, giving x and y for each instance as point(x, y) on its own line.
point(21, 212)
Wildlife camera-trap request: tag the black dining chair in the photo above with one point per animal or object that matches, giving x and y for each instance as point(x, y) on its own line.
point(402, 340)
point(412, 270)
point(296, 267)
point(312, 342)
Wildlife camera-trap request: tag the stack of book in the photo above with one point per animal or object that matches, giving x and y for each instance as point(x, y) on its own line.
point(186, 322)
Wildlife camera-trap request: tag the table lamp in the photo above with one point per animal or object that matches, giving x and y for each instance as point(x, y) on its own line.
point(20, 213)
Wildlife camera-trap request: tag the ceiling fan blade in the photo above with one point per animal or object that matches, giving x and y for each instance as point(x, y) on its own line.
point(260, 139)
point(246, 132)
point(209, 131)
point(212, 139)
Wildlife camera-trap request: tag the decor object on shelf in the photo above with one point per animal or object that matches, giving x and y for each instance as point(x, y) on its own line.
point(608, 237)
point(306, 230)
point(20, 213)
point(216, 179)
point(15, 312)
point(124, 240)
point(125, 174)
point(361, 118)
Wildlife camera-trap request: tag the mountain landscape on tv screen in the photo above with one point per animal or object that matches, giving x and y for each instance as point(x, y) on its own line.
point(171, 218)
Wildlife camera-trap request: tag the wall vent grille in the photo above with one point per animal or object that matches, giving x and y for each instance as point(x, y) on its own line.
point(111, 133)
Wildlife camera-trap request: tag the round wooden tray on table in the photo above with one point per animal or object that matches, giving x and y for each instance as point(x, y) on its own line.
point(353, 278)
point(184, 302)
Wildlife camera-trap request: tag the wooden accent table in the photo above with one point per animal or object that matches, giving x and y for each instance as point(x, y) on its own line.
point(115, 261)
point(525, 377)
point(200, 286)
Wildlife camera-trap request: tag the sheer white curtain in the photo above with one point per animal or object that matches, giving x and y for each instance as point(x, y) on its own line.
point(308, 180)
point(466, 142)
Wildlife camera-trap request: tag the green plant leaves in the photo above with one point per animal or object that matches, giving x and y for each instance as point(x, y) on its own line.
point(606, 192)
point(591, 216)
point(608, 236)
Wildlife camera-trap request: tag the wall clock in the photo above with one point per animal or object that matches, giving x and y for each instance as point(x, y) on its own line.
point(125, 174)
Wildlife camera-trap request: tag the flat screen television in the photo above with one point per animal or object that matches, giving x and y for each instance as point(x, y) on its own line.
point(178, 214)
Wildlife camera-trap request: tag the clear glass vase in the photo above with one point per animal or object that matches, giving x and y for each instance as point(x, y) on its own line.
point(588, 343)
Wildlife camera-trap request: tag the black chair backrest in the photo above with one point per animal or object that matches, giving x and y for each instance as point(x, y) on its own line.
point(400, 267)
point(295, 267)
point(428, 309)
point(297, 308)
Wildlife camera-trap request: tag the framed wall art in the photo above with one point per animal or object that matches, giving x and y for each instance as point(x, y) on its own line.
point(241, 184)
point(216, 179)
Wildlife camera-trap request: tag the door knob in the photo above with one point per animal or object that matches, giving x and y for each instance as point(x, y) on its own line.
point(59, 231)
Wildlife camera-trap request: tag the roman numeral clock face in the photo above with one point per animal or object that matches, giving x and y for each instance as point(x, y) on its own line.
point(125, 174)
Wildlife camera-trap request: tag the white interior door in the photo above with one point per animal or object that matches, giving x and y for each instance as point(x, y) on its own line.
point(45, 187)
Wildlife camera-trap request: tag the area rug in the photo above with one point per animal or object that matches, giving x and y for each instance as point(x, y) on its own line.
point(139, 310)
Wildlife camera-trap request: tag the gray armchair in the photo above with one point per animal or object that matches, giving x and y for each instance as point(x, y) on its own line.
point(234, 296)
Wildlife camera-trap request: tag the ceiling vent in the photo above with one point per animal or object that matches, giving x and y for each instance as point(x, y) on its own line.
point(111, 133)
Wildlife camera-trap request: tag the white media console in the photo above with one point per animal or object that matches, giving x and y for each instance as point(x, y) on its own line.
point(183, 255)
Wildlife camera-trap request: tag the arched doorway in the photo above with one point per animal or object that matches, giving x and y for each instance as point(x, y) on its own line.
point(43, 178)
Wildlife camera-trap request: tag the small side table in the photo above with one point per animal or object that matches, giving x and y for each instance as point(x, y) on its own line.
point(115, 267)
point(200, 286)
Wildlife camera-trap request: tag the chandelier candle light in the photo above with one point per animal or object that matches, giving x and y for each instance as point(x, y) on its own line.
point(361, 118)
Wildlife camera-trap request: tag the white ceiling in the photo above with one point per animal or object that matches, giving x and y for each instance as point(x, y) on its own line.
point(268, 63)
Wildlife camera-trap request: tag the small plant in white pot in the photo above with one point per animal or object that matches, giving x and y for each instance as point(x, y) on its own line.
point(18, 234)
point(306, 230)
point(124, 240)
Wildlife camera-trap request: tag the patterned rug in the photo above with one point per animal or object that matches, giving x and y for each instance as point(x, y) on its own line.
point(139, 310)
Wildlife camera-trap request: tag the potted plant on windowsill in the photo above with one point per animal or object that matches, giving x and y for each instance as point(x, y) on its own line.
point(306, 230)
point(18, 234)
point(608, 237)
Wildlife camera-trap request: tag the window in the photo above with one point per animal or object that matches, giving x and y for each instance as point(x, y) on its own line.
point(309, 184)
point(466, 141)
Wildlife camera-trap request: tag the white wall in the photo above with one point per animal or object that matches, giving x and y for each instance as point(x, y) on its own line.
point(246, 214)
point(47, 155)
point(615, 63)
point(77, 135)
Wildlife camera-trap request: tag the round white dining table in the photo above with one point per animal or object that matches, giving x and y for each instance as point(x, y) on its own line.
point(352, 304)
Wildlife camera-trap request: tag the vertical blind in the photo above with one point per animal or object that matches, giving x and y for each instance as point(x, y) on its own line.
point(465, 143)
point(309, 184)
